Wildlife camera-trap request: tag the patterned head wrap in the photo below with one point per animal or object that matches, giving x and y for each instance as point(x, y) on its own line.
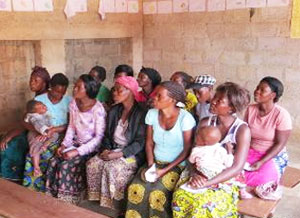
point(130, 83)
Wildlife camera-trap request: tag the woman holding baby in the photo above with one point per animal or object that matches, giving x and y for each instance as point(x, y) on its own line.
point(168, 142)
point(220, 197)
point(65, 177)
point(57, 103)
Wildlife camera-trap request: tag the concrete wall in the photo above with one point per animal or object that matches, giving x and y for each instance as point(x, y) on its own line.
point(230, 45)
point(83, 54)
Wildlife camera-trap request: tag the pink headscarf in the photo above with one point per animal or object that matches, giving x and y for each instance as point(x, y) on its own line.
point(130, 83)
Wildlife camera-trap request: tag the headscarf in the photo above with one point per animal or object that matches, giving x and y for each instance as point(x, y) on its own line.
point(153, 75)
point(175, 90)
point(42, 73)
point(130, 83)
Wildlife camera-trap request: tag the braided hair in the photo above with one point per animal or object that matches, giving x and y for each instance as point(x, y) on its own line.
point(175, 90)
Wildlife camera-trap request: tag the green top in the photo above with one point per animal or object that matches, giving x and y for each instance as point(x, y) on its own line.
point(103, 94)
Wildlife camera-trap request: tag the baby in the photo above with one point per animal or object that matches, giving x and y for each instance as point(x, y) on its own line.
point(41, 121)
point(210, 158)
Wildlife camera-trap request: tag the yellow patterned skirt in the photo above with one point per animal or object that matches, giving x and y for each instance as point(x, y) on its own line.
point(217, 202)
point(151, 200)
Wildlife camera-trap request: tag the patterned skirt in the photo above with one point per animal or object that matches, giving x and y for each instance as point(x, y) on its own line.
point(65, 179)
point(38, 183)
point(12, 159)
point(108, 180)
point(147, 199)
point(219, 201)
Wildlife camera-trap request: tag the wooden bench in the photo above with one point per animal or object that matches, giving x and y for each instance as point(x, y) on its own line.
point(17, 201)
point(257, 207)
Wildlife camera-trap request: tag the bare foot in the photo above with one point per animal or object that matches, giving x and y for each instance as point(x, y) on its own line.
point(37, 172)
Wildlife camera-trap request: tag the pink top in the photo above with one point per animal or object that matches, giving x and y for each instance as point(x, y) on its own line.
point(85, 128)
point(263, 128)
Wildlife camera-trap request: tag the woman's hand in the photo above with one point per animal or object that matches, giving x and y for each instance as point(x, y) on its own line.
point(51, 131)
point(70, 154)
point(110, 155)
point(256, 165)
point(4, 142)
point(41, 138)
point(197, 181)
point(161, 172)
point(59, 150)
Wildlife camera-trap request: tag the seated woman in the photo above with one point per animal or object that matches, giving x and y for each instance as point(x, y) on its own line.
point(13, 145)
point(57, 104)
point(168, 142)
point(220, 197)
point(185, 80)
point(203, 88)
point(270, 126)
point(148, 79)
point(65, 177)
point(122, 149)
point(99, 74)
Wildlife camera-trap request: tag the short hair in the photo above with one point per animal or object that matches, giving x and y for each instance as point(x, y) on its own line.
point(101, 72)
point(152, 74)
point(175, 90)
point(275, 85)
point(90, 85)
point(238, 97)
point(30, 106)
point(186, 79)
point(43, 73)
point(124, 68)
point(59, 79)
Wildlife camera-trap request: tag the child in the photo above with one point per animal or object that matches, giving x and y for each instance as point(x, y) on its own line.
point(210, 158)
point(38, 117)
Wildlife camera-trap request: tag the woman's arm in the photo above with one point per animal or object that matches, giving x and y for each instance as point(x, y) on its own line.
point(280, 141)
point(243, 137)
point(187, 137)
point(149, 145)
point(9, 136)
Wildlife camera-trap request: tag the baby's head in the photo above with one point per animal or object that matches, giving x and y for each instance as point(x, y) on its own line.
point(208, 135)
point(34, 106)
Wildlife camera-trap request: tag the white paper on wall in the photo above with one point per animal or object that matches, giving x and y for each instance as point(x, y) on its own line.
point(23, 5)
point(256, 3)
point(5, 5)
point(133, 6)
point(216, 5)
point(180, 6)
point(121, 6)
point(235, 4)
point(276, 3)
point(81, 5)
point(150, 7)
point(164, 7)
point(109, 6)
point(197, 5)
point(43, 5)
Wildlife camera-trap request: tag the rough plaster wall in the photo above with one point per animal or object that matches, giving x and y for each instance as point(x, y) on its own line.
point(83, 54)
point(16, 60)
point(229, 45)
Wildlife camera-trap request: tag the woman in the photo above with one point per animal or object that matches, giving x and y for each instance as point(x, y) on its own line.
point(220, 197)
point(168, 142)
point(65, 177)
point(122, 149)
point(57, 105)
point(123, 70)
point(270, 126)
point(99, 74)
point(185, 80)
point(203, 88)
point(148, 79)
point(14, 144)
